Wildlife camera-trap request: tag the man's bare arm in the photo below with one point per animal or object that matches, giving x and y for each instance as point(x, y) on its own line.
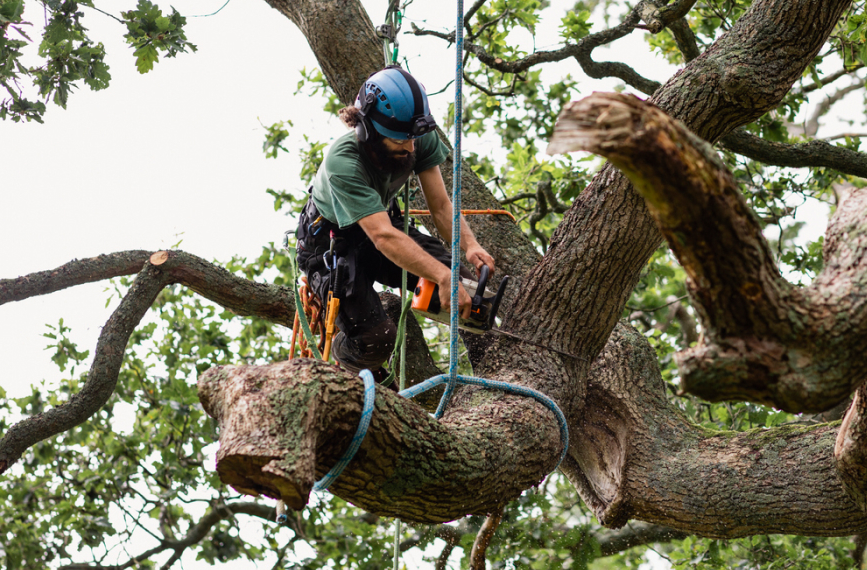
point(441, 209)
point(405, 253)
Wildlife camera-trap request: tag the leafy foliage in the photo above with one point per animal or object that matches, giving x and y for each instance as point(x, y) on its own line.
point(141, 467)
point(70, 57)
point(149, 33)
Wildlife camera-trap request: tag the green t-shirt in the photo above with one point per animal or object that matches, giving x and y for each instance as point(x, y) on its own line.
point(349, 187)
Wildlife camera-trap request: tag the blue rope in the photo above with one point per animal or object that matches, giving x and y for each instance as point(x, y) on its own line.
point(453, 379)
point(456, 216)
point(497, 385)
point(363, 424)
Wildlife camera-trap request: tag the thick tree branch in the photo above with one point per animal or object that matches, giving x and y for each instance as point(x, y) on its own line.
point(639, 458)
point(164, 268)
point(657, 18)
point(103, 372)
point(593, 262)
point(685, 39)
point(76, 272)
point(765, 340)
point(241, 296)
point(284, 425)
point(608, 234)
point(816, 153)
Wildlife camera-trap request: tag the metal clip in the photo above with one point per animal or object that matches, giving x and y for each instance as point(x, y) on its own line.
point(386, 31)
point(331, 266)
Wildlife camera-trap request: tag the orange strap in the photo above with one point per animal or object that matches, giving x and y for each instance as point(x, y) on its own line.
point(467, 213)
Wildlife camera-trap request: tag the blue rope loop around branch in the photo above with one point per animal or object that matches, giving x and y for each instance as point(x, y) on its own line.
point(497, 385)
point(360, 432)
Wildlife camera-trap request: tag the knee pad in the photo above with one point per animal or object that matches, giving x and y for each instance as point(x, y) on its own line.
point(368, 349)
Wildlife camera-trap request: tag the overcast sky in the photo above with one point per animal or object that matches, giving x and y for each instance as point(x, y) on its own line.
point(176, 154)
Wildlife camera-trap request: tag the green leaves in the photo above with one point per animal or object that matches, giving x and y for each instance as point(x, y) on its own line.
point(575, 25)
point(64, 349)
point(854, 42)
point(11, 11)
point(70, 57)
point(149, 33)
point(274, 137)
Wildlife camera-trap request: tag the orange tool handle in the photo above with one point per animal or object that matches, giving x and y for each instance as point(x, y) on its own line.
point(423, 297)
point(333, 307)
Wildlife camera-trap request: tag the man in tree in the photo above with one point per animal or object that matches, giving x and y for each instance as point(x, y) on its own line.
point(353, 203)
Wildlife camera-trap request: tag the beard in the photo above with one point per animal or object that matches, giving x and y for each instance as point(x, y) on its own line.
point(392, 162)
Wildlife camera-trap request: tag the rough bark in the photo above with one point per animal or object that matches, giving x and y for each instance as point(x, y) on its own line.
point(491, 446)
point(765, 340)
point(284, 425)
point(608, 234)
point(241, 296)
point(635, 455)
point(76, 272)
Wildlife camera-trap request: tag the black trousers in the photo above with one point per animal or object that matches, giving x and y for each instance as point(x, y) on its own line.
point(367, 335)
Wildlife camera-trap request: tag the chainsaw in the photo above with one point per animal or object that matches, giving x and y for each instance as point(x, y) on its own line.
point(426, 302)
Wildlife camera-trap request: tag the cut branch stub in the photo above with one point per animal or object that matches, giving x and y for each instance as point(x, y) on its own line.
point(765, 340)
point(284, 425)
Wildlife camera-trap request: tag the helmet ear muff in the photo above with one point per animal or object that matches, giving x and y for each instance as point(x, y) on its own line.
point(364, 130)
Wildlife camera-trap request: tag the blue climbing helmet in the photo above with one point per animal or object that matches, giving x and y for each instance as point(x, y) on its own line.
point(394, 105)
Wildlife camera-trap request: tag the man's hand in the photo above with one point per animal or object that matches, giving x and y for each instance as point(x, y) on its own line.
point(464, 301)
point(477, 256)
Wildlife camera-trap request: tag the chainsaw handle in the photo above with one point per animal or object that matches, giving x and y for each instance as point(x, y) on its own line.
point(480, 290)
point(495, 306)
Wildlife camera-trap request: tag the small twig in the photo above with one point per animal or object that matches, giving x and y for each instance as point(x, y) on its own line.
point(472, 12)
point(483, 539)
point(517, 197)
point(112, 16)
point(488, 92)
point(844, 135)
point(659, 307)
point(441, 90)
point(828, 80)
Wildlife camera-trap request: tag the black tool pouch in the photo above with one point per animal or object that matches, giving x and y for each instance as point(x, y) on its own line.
point(314, 240)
